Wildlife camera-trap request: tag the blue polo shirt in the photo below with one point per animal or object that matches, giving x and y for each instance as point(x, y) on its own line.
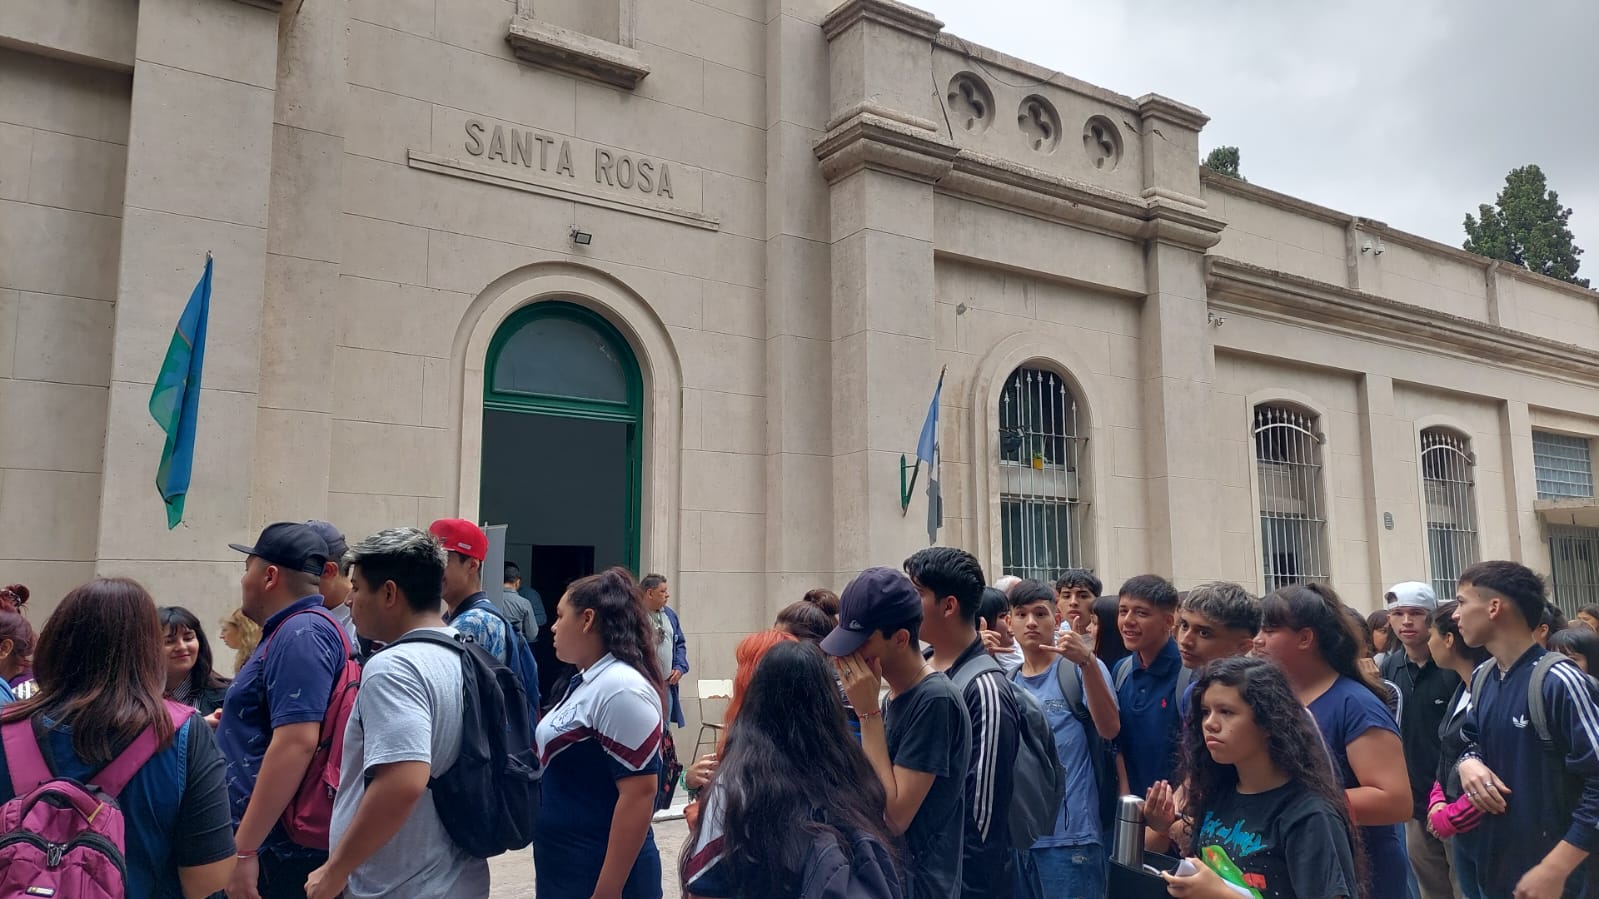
point(1148, 703)
point(286, 681)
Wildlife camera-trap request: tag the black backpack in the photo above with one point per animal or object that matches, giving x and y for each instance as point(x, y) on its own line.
point(1101, 753)
point(849, 864)
point(490, 796)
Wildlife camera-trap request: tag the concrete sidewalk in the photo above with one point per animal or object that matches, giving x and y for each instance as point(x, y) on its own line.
point(511, 875)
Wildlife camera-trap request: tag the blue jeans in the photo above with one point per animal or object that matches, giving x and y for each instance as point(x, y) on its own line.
point(1468, 848)
point(1061, 872)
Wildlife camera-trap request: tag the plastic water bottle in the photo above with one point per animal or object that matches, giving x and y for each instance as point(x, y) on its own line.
point(1064, 628)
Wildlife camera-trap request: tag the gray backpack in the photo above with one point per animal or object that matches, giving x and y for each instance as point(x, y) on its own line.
point(1038, 785)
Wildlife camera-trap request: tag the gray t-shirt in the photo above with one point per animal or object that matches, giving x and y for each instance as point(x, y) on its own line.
point(409, 710)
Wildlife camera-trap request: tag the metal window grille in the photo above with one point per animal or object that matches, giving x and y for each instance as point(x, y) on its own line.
point(1041, 503)
point(1575, 570)
point(1563, 465)
point(1450, 491)
point(1293, 528)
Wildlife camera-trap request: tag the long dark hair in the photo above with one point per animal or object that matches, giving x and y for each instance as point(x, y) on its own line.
point(1578, 639)
point(203, 676)
point(100, 669)
point(1108, 643)
point(808, 621)
point(1443, 621)
point(1292, 740)
point(788, 738)
point(621, 620)
point(1318, 608)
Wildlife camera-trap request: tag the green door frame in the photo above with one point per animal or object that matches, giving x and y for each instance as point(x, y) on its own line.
point(629, 413)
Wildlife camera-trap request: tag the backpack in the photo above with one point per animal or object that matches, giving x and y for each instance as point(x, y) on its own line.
point(1038, 783)
point(309, 813)
point(489, 797)
point(61, 837)
point(519, 658)
point(867, 871)
point(1536, 711)
point(1101, 752)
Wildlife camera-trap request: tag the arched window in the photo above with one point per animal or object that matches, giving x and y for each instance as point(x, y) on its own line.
point(1293, 526)
point(1041, 453)
point(1450, 494)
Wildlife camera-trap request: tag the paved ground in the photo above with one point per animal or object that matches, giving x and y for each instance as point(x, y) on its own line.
point(512, 873)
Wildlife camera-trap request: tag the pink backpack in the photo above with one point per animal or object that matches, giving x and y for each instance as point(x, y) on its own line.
point(62, 838)
point(309, 815)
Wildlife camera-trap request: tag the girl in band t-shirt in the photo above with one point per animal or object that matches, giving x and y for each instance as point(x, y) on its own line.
point(601, 749)
point(1260, 787)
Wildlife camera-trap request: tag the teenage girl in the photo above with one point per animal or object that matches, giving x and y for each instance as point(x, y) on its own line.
point(1260, 787)
point(1309, 634)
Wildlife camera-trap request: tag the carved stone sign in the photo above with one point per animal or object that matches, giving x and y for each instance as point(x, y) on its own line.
point(552, 164)
point(528, 148)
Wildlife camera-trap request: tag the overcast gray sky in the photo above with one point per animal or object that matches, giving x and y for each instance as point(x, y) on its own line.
point(1407, 111)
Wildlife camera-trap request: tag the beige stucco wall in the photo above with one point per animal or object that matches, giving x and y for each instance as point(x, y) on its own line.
point(63, 151)
point(835, 233)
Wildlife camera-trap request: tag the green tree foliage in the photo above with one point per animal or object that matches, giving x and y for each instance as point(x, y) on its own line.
point(1527, 226)
point(1224, 161)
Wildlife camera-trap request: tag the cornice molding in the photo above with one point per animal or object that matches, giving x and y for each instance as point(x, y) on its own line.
point(269, 5)
point(568, 51)
point(871, 141)
point(1155, 106)
point(1254, 290)
point(896, 15)
point(878, 143)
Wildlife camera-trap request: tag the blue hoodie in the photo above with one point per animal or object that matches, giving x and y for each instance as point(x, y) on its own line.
point(1550, 799)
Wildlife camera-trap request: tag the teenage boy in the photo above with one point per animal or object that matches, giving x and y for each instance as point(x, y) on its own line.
point(920, 742)
point(1425, 690)
point(1541, 802)
point(1146, 682)
point(950, 583)
point(466, 607)
point(271, 720)
point(387, 837)
point(1215, 621)
point(993, 625)
point(1075, 592)
point(1070, 861)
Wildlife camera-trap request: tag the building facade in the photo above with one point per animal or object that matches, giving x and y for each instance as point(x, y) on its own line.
point(669, 284)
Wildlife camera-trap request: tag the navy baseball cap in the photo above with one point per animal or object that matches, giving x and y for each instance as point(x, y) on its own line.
point(288, 544)
point(877, 599)
point(330, 535)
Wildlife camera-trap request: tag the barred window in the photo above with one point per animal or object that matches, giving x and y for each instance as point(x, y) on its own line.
point(1042, 504)
point(1450, 492)
point(1293, 527)
point(1574, 568)
point(1563, 465)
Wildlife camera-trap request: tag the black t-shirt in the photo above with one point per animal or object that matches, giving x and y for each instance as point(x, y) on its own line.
point(1426, 690)
point(1289, 843)
point(929, 730)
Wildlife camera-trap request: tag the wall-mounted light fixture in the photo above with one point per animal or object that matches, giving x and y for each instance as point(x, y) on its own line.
point(580, 237)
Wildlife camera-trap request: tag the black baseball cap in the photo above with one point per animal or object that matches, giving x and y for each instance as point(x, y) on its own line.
point(877, 599)
point(291, 545)
point(330, 535)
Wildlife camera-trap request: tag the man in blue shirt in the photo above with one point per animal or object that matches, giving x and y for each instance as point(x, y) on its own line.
point(1146, 682)
point(1070, 860)
point(1540, 802)
point(271, 719)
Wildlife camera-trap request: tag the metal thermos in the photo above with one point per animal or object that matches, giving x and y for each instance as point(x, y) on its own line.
point(1127, 846)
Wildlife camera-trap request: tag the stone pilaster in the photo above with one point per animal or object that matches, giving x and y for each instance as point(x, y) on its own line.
point(198, 173)
point(881, 157)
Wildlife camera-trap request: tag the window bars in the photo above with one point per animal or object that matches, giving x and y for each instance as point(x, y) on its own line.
point(1574, 553)
point(1293, 528)
point(1450, 494)
point(1563, 465)
point(1041, 502)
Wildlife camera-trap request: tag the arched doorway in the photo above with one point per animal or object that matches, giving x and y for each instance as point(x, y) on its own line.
point(563, 412)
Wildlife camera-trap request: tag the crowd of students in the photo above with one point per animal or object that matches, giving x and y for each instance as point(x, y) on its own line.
point(922, 734)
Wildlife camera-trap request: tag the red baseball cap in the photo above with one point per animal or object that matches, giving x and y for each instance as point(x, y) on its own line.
point(461, 536)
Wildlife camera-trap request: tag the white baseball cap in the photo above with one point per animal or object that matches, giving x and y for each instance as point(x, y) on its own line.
point(1411, 594)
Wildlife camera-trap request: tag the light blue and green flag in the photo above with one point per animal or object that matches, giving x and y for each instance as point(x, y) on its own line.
point(175, 401)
